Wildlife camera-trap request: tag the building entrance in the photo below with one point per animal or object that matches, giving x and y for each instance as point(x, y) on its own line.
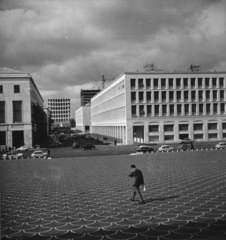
point(138, 134)
point(18, 138)
point(2, 138)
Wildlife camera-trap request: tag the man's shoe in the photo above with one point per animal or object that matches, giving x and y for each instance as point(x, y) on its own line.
point(142, 202)
point(132, 200)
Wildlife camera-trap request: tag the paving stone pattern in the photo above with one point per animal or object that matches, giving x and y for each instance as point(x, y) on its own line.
point(89, 198)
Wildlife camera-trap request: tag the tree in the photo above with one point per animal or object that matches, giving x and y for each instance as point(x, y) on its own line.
point(72, 122)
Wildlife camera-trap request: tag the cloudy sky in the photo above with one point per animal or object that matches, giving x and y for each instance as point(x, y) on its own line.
point(67, 45)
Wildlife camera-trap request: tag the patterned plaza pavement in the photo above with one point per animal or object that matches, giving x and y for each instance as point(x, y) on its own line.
point(88, 198)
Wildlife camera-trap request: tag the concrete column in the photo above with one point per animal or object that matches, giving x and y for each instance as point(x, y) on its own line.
point(197, 109)
point(167, 83)
point(129, 133)
point(167, 110)
point(191, 130)
point(146, 133)
point(176, 131)
point(205, 132)
point(152, 83)
point(161, 132)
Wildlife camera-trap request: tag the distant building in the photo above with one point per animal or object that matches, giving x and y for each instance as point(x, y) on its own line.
point(83, 118)
point(86, 95)
point(60, 110)
point(22, 118)
point(161, 107)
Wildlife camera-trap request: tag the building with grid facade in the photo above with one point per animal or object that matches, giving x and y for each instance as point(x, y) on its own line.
point(60, 110)
point(86, 95)
point(162, 107)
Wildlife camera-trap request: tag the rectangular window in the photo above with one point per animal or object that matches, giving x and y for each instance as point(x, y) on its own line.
point(133, 97)
point(133, 83)
point(201, 108)
point(193, 82)
point(171, 95)
point(154, 138)
point(163, 82)
point(183, 127)
point(185, 82)
point(207, 82)
point(1, 89)
point(193, 109)
point(222, 107)
point(214, 82)
point(156, 96)
point(170, 82)
point(153, 128)
point(186, 109)
point(212, 126)
point(215, 108)
point(141, 110)
point(149, 110)
point(156, 110)
point(200, 95)
point(193, 93)
point(224, 125)
point(134, 111)
point(221, 82)
point(156, 82)
point(207, 95)
point(140, 83)
point(2, 111)
point(212, 135)
point(198, 136)
point(224, 135)
point(215, 95)
point(169, 137)
point(178, 95)
point(198, 127)
point(149, 96)
point(199, 82)
point(164, 96)
point(16, 88)
point(141, 96)
point(168, 128)
point(178, 109)
point(17, 111)
point(148, 82)
point(208, 108)
point(171, 109)
point(222, 95)
point(186, 96)
point(164, 110)
point(178, 80)
point(2, 137)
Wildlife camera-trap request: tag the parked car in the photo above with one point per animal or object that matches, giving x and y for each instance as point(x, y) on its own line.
point(144, 149)
point(88, 146)
point(186, 141)
point(221, 145)
point(37, 154)
point(76, 145)
point(165, 148)
point(184, 147)
point(12, 155)
point(22, 148)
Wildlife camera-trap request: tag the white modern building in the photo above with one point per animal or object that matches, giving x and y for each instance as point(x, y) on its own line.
point(162, 107)
point(22, 119)
point(83, 118)
point(60, 110)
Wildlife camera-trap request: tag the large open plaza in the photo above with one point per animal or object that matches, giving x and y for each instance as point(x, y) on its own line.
point(89, 197)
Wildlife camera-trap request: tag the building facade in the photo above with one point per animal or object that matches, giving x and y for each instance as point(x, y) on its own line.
point(22, 119)
point(83, 119)
point(162, 107)
point(86, 96)
point(60, 110)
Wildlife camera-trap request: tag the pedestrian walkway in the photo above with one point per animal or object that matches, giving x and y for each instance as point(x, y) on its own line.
point(89, 198)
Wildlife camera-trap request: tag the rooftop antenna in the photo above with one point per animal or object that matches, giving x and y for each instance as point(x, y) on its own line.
point(150, 67)
point(194, 68)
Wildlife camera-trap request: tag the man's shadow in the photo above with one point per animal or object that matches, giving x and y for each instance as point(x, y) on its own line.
point(160, 199)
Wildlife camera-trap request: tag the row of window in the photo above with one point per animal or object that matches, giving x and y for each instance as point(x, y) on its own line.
point(59, 104)
point(61, 120)
point(182, 96)
point(59, 100)
point(15, 87)
point(178, 109)
point(17, 111)
point(60, 112)
point(160, 83)
point(185, 127)
point(60, 116)
point(197, 136)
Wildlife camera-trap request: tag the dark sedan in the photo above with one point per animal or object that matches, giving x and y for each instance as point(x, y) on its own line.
point(76, 145)
point(88, 146)
point(144, 149)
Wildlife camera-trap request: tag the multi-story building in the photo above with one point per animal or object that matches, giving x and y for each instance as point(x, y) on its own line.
point(162, 107)
point(60, 110)
point(86, 95)
point(83, 118)
point(22, 119)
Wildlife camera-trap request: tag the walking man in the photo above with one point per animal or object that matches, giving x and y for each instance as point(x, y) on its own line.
point(138, 180)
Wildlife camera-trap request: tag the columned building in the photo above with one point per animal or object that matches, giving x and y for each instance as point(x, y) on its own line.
point(60, 110)
point(22, 118)
point(83, 118)
point(162, 107)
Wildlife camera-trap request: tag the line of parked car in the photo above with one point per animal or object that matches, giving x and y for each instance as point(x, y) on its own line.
point(83, 146)
point(18, 155)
